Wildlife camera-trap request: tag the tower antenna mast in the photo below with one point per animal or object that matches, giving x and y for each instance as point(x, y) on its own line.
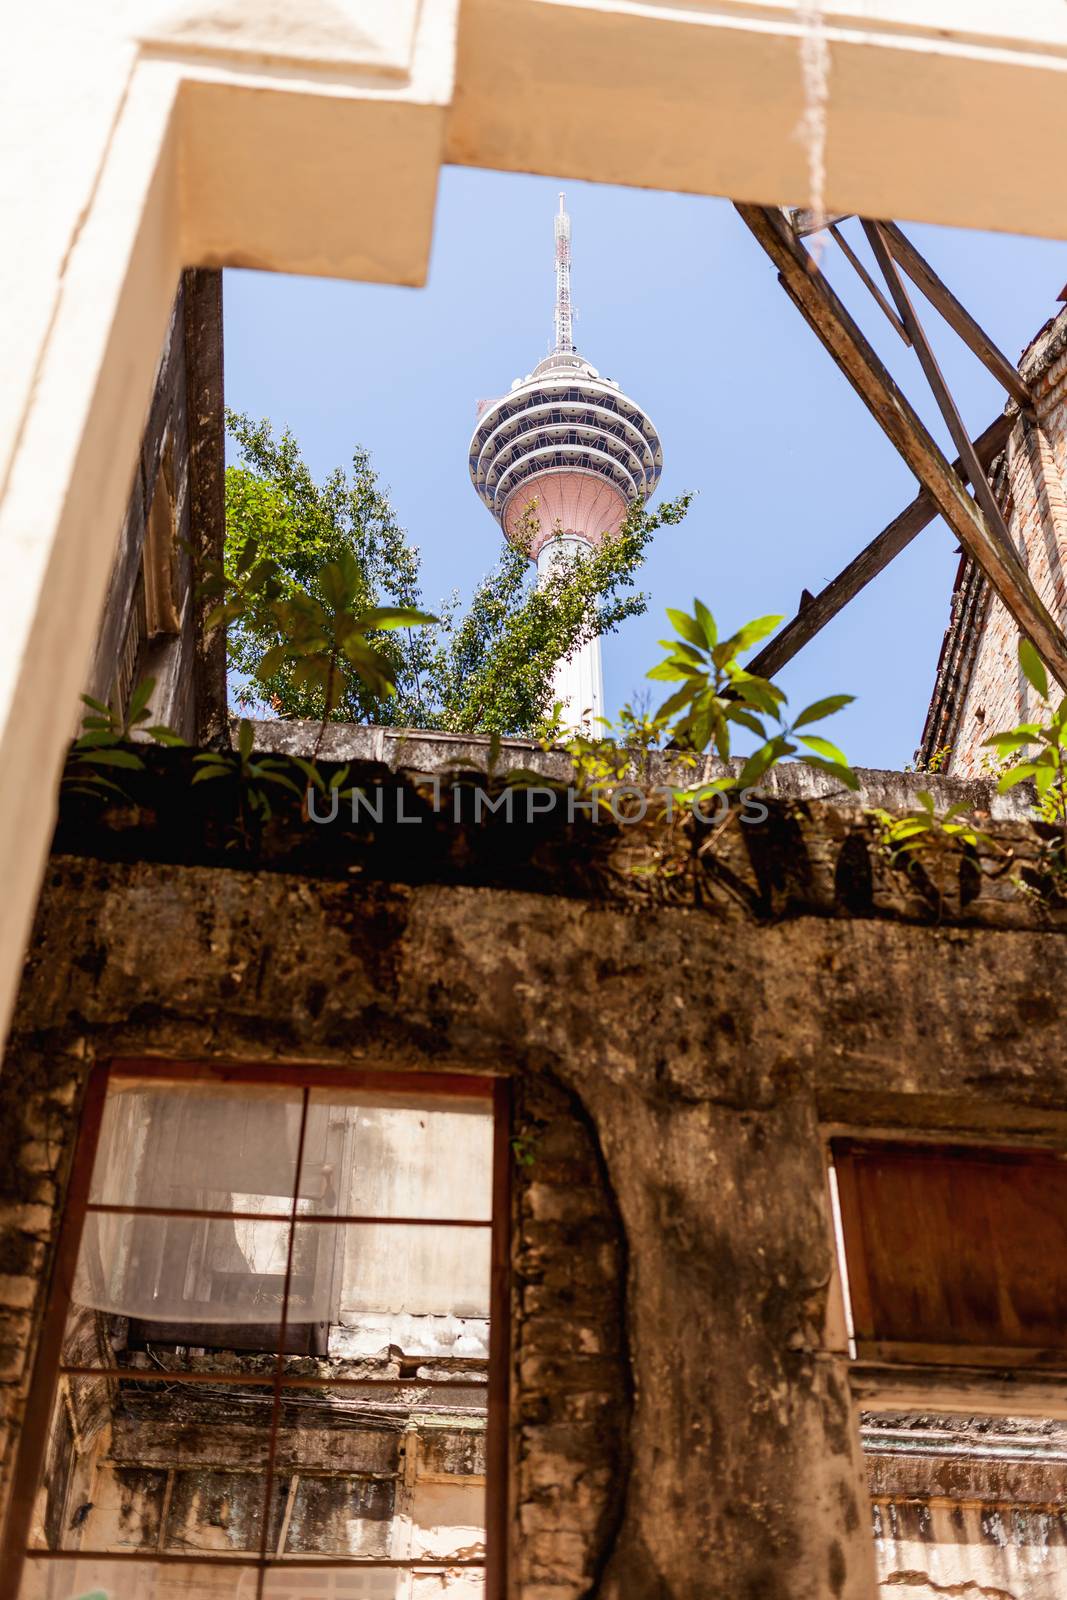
point(564, 320)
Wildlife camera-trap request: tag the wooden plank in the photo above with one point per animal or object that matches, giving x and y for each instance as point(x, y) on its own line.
point(874, 384)
point(33, 1438)
point(1001, 1357)
point(936, 379)
point(341, 1078)
point(872, 560)
point(956, 1254)
point(959, 1389)
point(858, 267)
point(956, 315)
point(498, 1507)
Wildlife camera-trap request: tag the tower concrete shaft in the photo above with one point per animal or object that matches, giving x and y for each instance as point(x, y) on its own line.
point(558, 461)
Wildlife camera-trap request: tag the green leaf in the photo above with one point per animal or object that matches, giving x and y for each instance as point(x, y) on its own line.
point(164, 735)
point(204, 773)
point(340, 581)
point(677, 701)
point(272, 660)
point(259, 771)
point(758, 694)
point(909, 827)
point(387, 617)
point(707, 623)
point(1016, 774)
point(746, 719)
point(759, 762)
point(822, 708)
point(750, 634)
point(247, 555)
point(1033, 667)
point(310, 771)
point(672, 671)
point(1006, 744)
point(823, 747)
point(140, 698)
point(311, 672)
point(684, 652)
point(260, 573)
point(115, 758)
point(686, 626)
point(246, 738)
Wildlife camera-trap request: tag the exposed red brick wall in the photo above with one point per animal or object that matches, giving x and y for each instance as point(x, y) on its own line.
point(1034, 468)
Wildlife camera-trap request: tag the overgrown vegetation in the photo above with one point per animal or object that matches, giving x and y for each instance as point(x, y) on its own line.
point(483, 668)
point(1046, 769)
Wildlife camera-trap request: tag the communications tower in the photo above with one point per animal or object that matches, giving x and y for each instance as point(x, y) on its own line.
point(564, 455)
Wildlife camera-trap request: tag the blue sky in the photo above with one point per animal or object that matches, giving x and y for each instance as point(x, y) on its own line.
point(677, 302)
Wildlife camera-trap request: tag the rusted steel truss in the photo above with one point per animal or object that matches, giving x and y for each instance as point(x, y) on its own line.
point(977, 522)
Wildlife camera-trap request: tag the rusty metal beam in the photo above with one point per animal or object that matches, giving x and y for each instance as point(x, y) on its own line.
point(956, 315)
point(823, 310)
point(872, 560)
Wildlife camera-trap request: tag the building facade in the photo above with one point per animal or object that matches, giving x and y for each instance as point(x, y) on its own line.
point(476, 1217)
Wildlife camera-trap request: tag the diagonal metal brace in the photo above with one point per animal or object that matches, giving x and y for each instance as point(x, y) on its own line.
point(821, 308)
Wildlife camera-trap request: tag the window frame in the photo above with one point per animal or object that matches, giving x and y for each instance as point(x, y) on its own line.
point(903, 1381)
point(48, 1367)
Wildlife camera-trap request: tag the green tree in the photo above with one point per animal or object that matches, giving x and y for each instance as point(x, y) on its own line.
point(485, 668)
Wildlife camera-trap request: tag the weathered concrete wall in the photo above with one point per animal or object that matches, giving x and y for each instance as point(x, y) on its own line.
point(181, 460)
point(969, 1505)
point(703, 1025)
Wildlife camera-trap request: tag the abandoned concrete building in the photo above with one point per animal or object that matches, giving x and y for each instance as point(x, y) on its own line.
point(449, 1211)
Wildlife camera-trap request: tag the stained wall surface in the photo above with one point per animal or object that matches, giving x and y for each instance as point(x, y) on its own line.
point(698, 1033)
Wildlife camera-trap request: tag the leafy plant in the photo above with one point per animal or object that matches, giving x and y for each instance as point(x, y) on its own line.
point(940, 850)
point(315, 634)
point(716, 696)
point(253, 773)
point(923, 829)
point(934, 763)
point(101, 748)
point(1047, 768)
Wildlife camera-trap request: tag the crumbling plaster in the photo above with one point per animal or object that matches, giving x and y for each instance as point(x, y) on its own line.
point(705, 1040)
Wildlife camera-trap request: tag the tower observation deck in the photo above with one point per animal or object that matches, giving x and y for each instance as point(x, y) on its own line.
point(564, 455)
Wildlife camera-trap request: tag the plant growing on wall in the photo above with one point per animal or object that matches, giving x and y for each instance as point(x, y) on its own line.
point(1046, 767)
point(101, 753)
point(483, 668)
point(716, 696)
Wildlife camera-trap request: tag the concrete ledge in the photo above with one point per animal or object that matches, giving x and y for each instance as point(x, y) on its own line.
point(413, 750)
